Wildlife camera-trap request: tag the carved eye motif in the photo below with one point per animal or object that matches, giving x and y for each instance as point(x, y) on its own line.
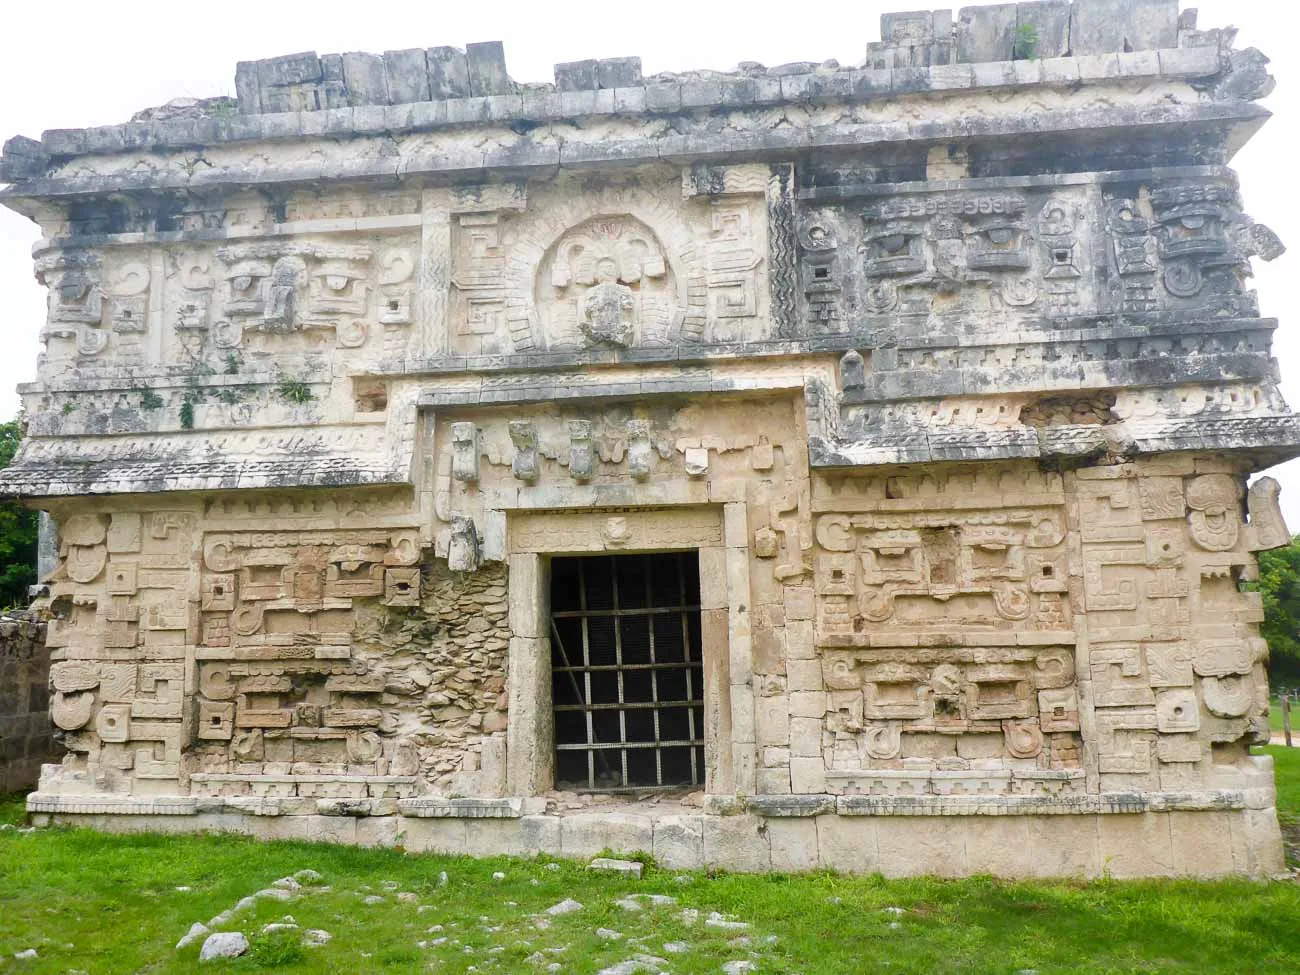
point(337, 288)
point(245, 281)
point(1002, 236)
point(894, 251)
point(1193, 222)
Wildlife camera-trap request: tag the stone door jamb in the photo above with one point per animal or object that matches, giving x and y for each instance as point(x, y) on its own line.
point(720, 538)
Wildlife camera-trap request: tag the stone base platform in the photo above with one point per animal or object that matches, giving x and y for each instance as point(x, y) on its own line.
point(1204, 834)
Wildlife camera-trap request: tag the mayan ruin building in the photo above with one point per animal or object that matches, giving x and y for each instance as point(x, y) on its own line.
point(767, 469)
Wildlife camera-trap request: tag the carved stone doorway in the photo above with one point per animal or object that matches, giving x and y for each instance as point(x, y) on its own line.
point(627, 672)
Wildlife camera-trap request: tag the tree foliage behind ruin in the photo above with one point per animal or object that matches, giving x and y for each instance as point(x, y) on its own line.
point(17, 532)
point(1279, 582)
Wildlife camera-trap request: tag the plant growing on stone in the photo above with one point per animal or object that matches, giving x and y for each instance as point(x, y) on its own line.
point(1025, 47)
point(18, 531)
point(295, 391)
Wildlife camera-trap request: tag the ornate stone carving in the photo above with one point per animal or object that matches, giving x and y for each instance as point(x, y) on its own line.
point(296, 286)
point(611, 283)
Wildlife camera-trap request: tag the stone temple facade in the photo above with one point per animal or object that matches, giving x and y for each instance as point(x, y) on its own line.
point(774, 468)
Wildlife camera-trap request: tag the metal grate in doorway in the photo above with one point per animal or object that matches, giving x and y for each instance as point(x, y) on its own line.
point(627, 677)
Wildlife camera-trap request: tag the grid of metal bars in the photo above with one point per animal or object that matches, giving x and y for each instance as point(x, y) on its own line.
point(627, 676)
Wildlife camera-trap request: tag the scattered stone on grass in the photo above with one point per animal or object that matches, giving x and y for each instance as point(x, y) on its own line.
point(275, 926)
point(566, 906)
point(630, 868)
point(372, 899)
point(406, 897)
point(288, 883)
point(223, 944)
point(640, 963)
point(608, 934)
point(676, 947)
point(307, 876)
point(634, 902)
point(724, 923)
point(197, 930)
point(739, 967)
point(26, 954)
point(498, 875)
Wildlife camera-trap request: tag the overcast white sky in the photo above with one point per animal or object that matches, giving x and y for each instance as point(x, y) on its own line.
point(82, 63)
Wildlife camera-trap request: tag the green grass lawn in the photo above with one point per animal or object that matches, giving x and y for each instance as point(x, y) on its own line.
point(1286, 771)
point(107, 904)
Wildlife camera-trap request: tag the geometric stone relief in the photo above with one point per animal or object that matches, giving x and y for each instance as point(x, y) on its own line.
point(620, 268)
point(666, 449)
point(880, 698)
point(1172, 664)
point(916, 568)
point(281, 288)
point(96, 309)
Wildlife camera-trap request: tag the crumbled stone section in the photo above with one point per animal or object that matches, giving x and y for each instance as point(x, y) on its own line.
point(943, 365)
point(26, 734)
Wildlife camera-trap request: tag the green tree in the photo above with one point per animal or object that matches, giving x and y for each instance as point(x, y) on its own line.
point(18, 528)
point(1279, 583)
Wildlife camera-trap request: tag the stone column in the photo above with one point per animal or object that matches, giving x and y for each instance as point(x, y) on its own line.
point(530, 735)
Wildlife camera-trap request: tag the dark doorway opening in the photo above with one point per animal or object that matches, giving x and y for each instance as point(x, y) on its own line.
point(627, 677)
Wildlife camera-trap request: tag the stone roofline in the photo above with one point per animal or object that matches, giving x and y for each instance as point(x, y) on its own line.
point(1007, 46)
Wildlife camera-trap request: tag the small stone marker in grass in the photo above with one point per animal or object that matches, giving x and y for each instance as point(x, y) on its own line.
point(630, 868)
point(566, 906)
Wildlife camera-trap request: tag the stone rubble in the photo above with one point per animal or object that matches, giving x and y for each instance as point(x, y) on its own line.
point(631, 868)
point(566, 906)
